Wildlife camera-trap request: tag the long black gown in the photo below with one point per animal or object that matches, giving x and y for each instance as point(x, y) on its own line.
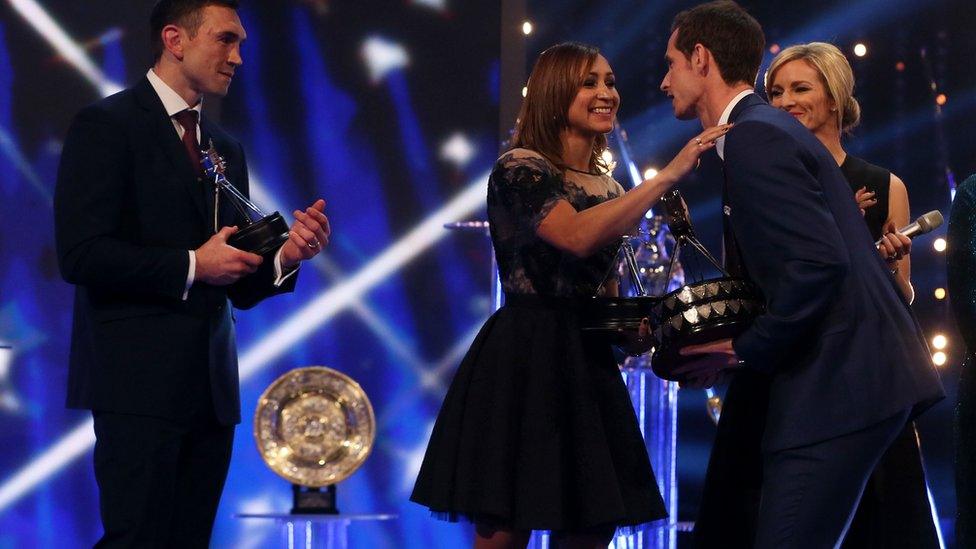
point(537, 431)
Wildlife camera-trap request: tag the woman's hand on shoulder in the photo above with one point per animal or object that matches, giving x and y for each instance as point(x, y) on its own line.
point(687, 158)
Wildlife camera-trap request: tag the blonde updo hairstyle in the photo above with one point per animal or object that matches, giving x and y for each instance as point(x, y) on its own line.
point(835, 74)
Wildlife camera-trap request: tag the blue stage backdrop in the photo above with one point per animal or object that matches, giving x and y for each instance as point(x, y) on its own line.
point(389, 110)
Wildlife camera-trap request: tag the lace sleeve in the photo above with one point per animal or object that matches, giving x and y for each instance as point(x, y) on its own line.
point(528, 187)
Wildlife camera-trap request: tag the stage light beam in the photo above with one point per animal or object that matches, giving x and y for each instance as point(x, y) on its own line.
point(860, 49)
point(939, 244)
point(939, 358)
point(527, 28)
point(939, 341)
point(940, 293)
point(73, 53)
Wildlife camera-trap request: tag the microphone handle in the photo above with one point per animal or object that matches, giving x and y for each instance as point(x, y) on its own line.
point(911, 231)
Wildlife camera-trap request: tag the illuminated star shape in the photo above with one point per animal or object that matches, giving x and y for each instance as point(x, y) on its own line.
point(383, 56)
point(458, 150)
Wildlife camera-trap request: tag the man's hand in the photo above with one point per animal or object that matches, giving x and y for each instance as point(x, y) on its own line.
point(219, 264)
point(308, 235)
point(710, 363)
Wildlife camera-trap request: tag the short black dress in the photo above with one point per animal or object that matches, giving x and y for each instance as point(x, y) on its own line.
point(537, 431)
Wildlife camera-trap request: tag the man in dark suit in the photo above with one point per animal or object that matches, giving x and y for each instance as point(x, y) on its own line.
point(144, 239)
point(844, 360)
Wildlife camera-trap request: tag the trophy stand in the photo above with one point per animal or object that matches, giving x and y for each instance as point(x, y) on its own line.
point(314, 427)
point(312, 531)
point(308, 500)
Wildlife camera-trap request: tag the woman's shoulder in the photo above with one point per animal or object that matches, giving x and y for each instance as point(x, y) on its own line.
point(525, 158)
point(863, 167)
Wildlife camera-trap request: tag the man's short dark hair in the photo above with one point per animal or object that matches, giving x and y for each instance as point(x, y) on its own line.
point(734, 38)
point(185, 13)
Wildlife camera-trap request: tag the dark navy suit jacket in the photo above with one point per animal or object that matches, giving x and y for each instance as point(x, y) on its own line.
point(128, 206)
point(840, 342)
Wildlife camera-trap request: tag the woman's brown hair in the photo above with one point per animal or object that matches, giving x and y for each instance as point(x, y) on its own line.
point(556, 78)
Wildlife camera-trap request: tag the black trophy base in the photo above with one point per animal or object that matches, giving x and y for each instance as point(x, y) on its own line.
point(262, 237)
point(313, 501)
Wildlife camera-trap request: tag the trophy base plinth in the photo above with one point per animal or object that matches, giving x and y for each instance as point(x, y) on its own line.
point(262, 237)
point(309, 500)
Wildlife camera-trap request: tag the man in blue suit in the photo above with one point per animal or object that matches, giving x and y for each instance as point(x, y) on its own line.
point(141, 235)
point(844, 359)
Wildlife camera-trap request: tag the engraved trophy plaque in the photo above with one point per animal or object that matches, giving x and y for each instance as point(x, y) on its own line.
point(260, 234)
point(314, 427)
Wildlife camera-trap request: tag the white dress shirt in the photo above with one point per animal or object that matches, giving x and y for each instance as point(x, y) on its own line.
point(724, 119)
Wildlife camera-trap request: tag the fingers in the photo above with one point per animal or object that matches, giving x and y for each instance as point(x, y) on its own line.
point(894, 246)
point(253, 261)
point(225, 232)
point(313, 226)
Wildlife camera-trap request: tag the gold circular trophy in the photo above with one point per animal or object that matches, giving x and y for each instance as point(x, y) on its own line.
point(314, 427)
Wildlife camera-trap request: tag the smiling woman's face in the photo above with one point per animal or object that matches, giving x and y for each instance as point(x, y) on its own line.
point(595, 106)
point(798, 89)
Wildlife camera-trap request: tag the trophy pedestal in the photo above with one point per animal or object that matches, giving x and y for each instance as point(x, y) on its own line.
point(261, 237)
point(312, 531)
point(314, 501)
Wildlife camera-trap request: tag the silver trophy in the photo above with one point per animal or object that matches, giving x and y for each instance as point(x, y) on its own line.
point(260, 234)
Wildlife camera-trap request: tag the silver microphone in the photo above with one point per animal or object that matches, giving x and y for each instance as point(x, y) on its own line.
point(925, 223)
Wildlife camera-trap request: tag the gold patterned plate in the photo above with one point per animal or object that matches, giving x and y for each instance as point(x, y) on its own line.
point(314, 426)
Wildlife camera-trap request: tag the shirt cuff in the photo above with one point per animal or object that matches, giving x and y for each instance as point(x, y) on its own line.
point(281, 277)
point(189, 275)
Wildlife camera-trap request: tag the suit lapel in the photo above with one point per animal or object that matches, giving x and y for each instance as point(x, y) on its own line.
point(169, 142)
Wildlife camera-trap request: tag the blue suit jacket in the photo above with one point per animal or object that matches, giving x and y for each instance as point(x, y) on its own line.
point(839, 340)
point(128, 206)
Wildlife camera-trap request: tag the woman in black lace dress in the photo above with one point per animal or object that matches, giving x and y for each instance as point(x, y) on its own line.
point(537, 431)
point(814, 82)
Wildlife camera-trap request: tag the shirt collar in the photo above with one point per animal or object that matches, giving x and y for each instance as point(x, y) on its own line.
point(172, 101)
point(724, 119)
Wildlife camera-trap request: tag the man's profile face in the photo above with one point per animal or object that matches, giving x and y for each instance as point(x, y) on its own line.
point(681, 83)
point(212, 55)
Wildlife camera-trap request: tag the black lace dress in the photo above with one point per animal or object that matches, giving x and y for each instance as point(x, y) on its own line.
point(537, 431)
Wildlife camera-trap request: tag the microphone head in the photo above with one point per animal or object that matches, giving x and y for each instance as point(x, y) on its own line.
point(930, 221)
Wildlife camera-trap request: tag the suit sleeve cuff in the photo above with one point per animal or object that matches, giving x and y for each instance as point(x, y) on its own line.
point(280, 275)
point(189, 274)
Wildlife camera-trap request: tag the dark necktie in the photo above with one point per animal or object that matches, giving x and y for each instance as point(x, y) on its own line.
point(188, 119)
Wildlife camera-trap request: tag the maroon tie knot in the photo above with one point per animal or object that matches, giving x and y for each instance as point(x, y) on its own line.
point(188, 119)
